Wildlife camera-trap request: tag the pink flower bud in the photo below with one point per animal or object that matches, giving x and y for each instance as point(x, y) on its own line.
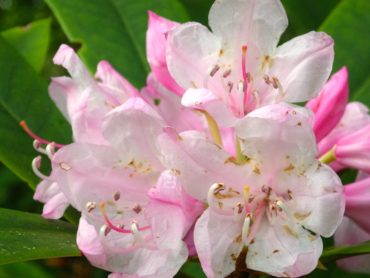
point(156, 40)
point(353, 150)
point(329, 106)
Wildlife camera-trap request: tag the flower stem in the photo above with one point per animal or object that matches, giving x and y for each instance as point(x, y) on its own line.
point(213, 128)
point(328, 157)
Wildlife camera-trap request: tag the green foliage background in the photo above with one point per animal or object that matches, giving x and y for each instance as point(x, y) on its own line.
point(31, 32)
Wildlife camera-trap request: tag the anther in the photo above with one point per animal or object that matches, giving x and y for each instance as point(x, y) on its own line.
point(64, 166)
point(136, 232)
point(282, 207)
point(230, 86)
point(105, 230)
point(214, 70)
point(226, 73)
point(117, 196)
point(241, 86)
point(137, 209)
point(214, 190)
point(36, 163)
point(266, 78)
point(90, 206)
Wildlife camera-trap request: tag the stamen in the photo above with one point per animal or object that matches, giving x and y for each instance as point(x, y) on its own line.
point(213, 190)
point(37, 146)
point(246, 226)
point(104, 230)
point(34, 136)
point(226, 73)
point(257, 98)
point(90, 206)
point(266, 78)
point(230, 86)
point(241, 86)
point(117, 228)
point(277, 85)
point(136, 233)
point(50, 150)
point(36, 164)
point(244, 66)
point(214, 70)
point(282, 207)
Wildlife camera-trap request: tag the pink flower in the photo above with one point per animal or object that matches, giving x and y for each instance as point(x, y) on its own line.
point(330, 104)
point(156, 40)
point(135, 213)
point(276, 201)
point(355, 227)
point(354, 118)
point(239, 65)
point(353, 150)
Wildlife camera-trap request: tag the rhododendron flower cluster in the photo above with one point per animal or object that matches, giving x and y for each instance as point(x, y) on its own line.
point(211, 159)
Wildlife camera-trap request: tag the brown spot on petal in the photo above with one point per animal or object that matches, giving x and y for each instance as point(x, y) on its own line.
point(290, 231)
point(176, 172)
point(289, 168)
point(301, 216)
point(64, 166)
point(234, 257)
point(275, 251)
point(238, 239)
point(256, 170)
point(221, 53)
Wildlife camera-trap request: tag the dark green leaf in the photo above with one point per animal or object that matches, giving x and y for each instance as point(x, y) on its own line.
point(25, 236)
point(198, 10)
point(31, 269)
point(349, 25)
point(306, 15)
point(23, 96)
point(335, 253)
point(113, 30)
point(32, 41)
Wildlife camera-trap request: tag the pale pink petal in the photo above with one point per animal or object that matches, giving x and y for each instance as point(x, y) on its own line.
point(116, 87)
point(354, 118)
point(89, 243)
point(330, 104)
point(168, 105)
point(67, 58)
point(198, 171)
point(87, 172)
point(192, 52)
point(156, 43)
point(284, 250)
point(62, 91)
point(204, 99)
point(248, 22)
point(218, 242)
point(169, 190)
point(56, 203)
point(320, 206)
point(132, 129)
point(349, 233)
point(303, 65)
point(286, 136)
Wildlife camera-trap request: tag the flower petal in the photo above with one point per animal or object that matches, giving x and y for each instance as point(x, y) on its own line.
point(218, 243)
point(330, 105)
point(132, 129)
point(284, 250)
point(246, 22)
point(192, 51)
point(303, 65)
point(156, 43)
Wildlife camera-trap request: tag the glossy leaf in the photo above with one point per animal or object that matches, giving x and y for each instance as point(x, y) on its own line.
point(25, 236)
point(349, 25)
point(32, 41)
point(23, 96)
point(32, 270)
point(113, 30)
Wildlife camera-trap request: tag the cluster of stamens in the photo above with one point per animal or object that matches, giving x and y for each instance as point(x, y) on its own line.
point(250, 206)
point(132, 228)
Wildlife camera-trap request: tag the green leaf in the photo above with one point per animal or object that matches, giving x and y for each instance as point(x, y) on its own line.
point(198, 10)
point(349, 25)
point(191, 269)
point(335, 253)
point(30, 269)
point(25, 236)
point(113, 30)
point(23, 96)
point(306, 15)
point(32, 41)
